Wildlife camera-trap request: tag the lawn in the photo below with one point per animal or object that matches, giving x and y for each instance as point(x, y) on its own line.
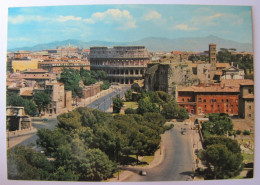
point(132, 105)
point(248, 158)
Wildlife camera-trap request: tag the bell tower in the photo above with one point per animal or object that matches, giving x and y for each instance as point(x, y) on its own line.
point(212, 60)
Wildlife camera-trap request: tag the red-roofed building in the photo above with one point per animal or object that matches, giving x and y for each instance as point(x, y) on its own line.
point(213, 98)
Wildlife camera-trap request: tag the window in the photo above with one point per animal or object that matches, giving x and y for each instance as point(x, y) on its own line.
point(250, 107)
point(199, 99)
point(211, 106)
point(204, 100)
point(182, 99)
point(205, 106)
point(250, 91)
point(226, 100)
point(250, 115)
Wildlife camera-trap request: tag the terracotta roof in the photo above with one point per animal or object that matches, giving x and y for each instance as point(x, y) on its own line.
point(225, 65)
point(212, 44)
point(193, 65)
point(251, 82)
point(248, 96)
point(236, 83)
point(210, 89)
point(35, 70)
point(218, 73)
point(27, 93)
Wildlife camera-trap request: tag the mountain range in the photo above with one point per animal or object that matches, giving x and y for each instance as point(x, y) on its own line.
point(195, 44)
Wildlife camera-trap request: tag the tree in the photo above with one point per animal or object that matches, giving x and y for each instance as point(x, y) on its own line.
point(29, 106)
point(69, 121)
point(105, 85)
point(70, 78)
point(95, 166)
point(117, 104)
point(218, 124)
point(129, 95)
point(41, 99)
point(26, 164)
point(145, 105)
point(183, 114)
point(222, 157)
point(130, 111)
point(170, 110)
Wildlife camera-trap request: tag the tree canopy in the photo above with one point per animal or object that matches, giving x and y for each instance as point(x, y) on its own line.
point(29, 106)
point(222, 156)
point(41, 99)
point(117, 104)
point(218, 124)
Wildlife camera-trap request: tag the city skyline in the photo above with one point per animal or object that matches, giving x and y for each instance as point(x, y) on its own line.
point(28, 26)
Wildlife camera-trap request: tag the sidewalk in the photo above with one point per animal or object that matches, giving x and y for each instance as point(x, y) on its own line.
point(15, 137)
point(158, 158)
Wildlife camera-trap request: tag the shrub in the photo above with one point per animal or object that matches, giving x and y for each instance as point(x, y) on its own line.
point(130, 111)
point(238, 132)
point(246, 132)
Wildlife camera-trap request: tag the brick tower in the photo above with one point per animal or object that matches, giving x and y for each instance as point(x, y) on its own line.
point(212, 60)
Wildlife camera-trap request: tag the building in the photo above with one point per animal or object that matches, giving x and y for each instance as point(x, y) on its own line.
point(211, 98)
point(23, 64)
point(233, 73)
point(16, 119)
point(167, 76)
point(91, 90)
point(123, 64)
point(246, 100)
point(61, 100)
point(57, 66)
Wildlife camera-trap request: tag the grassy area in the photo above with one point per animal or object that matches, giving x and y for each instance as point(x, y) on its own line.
point(148, 159)
point(238, 177)
point(132, 105)
point(144, 160)
point(248, 158)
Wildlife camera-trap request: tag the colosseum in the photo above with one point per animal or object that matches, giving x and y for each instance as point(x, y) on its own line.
point(123, 64)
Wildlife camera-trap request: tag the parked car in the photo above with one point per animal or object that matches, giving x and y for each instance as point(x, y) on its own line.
point(44, 119)
point(142, 173)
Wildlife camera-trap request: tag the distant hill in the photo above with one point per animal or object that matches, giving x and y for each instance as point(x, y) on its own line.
point(196, 44)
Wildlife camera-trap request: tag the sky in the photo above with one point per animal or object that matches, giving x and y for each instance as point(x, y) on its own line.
point(29, 26)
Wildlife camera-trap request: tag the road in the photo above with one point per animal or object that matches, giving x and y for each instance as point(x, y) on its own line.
point(29, 139)
point(105, 102)
point(39, 124)
point(177, 164)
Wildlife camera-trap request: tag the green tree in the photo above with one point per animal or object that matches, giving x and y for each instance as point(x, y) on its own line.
point(41, 99)
point(183, 114)
point(129, 95)
point(29, 106)
point(95, 166)
point(70, 121)
point(71, 78)
point(26, 164)
point(170, 110)
point(218, 124)
point(224, 55)
point(117, 104)
point(130, 111)
point(145, 105)
point(221, 162)
point(105, 85)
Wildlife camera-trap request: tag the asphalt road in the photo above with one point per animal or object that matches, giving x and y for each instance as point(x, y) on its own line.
point(105, 102)
point(102, 104)
point(38, 124)
point(177, 164)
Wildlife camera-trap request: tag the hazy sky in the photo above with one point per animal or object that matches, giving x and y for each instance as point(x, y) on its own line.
point(28, 26)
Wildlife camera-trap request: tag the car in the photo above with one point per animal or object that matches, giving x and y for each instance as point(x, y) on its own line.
point(143, 173)
point(44, 119)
